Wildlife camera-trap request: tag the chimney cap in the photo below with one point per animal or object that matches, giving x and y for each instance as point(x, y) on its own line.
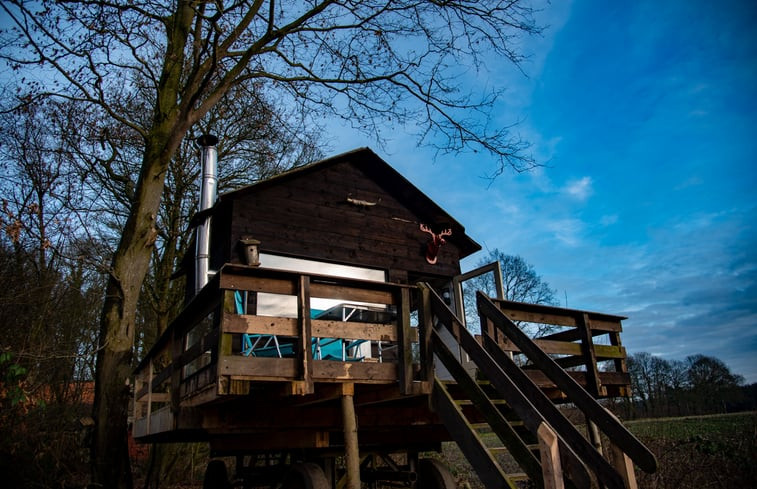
point(207, 140)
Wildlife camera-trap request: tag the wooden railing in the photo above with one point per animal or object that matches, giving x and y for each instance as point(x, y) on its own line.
point(622, 444)
point(528, 400)
point(199, 358)
point(585, 343)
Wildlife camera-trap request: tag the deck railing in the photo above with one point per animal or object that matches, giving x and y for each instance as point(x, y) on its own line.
point(587, 344)
point(201, 357)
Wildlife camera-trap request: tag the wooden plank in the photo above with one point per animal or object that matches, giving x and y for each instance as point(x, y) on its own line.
point(551, 347)
point(404, 332)
point(426, 326)
point(283, 369)
point(358, 331)
point(379, 248)
point(236, 323)
point(583, 400)
point(467, 439)
point(270, 441)
point(598, 326)
point(608, 378)
point(207, 342)
point(555, 310)
point(623, 465)
point(351, 294)
point(577, 450)
point(154, 397)
point(590, 358)
point(303, 351)
point(550, 458)
point(198, 308)
point(284, 285)
point(320, 328)
point(620, 362)
point(494, 418)
point(258, 368)
point(359, 372)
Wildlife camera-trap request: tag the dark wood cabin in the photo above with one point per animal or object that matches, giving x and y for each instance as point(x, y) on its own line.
point(352, 209)
point(251, 377)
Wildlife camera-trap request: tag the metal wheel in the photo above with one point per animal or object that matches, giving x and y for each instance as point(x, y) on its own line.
point(433, 474)
point(305, 476)
point(216, 476)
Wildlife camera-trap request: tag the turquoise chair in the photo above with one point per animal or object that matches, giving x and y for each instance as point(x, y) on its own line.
point(267, 345)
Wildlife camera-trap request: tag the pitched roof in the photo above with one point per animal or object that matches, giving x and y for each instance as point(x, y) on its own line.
point(389, 179)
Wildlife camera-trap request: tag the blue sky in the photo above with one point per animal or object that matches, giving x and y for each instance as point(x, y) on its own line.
point(644, 114)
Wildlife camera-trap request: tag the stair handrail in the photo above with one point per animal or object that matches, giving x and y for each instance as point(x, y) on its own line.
point(595, 412)
point(574, 446)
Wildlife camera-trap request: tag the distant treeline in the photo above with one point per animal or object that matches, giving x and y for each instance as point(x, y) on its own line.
point(697, 385)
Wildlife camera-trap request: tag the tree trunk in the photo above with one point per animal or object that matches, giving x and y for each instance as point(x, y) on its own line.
point(110, 458)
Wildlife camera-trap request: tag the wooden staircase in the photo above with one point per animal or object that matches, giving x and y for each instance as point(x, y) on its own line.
point(536, 441)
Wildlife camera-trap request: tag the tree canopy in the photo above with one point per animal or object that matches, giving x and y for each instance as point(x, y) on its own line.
point(145, 73)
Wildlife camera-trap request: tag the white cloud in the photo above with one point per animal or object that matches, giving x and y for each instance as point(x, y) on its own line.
point(580, 189)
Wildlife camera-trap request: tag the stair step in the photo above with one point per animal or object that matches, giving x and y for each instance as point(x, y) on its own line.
point(532, 447)
point(468, 402)
point(517, 476)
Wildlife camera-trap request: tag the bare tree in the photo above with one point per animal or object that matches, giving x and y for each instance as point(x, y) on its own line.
point(367, 61)
point(520, 283)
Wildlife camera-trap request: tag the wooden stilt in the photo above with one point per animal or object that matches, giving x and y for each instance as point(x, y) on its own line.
point(550, 458)
point(595, 436)
point(351, 449)
point(623, 465)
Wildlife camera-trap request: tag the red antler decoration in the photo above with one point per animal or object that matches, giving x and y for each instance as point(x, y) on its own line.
point(436, 241)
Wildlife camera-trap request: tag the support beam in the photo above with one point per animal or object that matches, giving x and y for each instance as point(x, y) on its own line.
point(351, 448)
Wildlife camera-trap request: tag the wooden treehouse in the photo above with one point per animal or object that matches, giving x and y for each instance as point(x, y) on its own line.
point(328, 349)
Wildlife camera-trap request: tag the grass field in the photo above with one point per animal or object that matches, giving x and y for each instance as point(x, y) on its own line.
point(718, 451)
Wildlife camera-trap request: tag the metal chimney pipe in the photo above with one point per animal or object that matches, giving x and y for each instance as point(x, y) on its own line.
point(208, 191)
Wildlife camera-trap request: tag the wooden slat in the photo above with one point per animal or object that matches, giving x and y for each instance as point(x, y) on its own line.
point(503, 304)
point(404, 332)
point(198, 308)
point(470, 443)
point(520, 401)
point(493, 416)
point(258, 368)
point(351, 294)
point(552, 347)
point(358, 331)
point(303, 351)
point(590, 358)
point(578, 448)
point(284, 284)
point(358, 372)
point(599, 326)
point(267, 369)
point(235, 323)
point(550, 458)
point(609, 425)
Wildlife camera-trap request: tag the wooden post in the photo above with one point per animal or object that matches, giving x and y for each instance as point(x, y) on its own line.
point(405, 356)
point(594, 385)
point(425, 326)
point(177, 348)
point(351, 448)
point(149, 394)
point(550, 457)
point(304, 331)
point(623, 465)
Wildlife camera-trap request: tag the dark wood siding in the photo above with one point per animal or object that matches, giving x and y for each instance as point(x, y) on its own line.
point(310, 216)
